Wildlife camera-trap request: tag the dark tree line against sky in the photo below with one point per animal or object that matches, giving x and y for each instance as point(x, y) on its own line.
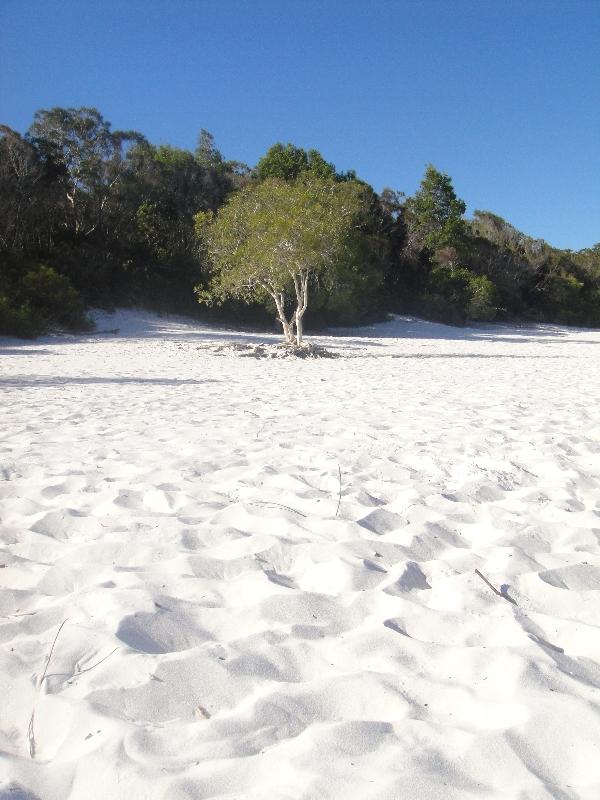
point(91, 216)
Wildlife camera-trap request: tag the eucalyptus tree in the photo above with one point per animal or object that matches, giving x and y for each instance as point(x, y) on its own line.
point(90, 159)
point(272, 239)
point(27, 202)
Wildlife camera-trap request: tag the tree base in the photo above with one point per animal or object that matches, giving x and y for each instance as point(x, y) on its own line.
point(305, 350)
point(283, 350)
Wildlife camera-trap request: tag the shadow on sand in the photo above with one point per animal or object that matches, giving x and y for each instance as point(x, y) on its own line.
point(134, 325)
point(28, 381)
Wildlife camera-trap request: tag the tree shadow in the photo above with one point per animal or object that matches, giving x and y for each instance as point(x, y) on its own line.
point(137, 325)
point(14, 791)
point(24, 351)
point(132, 324)
point(28, 381)
point(510, 333)
point(468, 355)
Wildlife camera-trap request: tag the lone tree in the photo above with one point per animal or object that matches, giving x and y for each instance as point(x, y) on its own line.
point(271, 238)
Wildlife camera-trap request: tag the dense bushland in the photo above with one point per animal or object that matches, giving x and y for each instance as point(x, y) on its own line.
point(91, 216)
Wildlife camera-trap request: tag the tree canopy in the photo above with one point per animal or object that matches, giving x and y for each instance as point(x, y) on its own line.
point(288, 162)
point(272, 238)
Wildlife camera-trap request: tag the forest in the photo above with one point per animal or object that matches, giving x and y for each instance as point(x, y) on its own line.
point(92, 217)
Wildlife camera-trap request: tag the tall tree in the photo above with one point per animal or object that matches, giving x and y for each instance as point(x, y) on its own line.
point(28, 200)
point(434, 214)
point(80, 143)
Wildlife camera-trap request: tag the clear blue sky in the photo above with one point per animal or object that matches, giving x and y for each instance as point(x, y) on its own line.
point(504, 95)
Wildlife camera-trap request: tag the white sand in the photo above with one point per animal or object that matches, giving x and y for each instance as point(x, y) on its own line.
point(178, 509)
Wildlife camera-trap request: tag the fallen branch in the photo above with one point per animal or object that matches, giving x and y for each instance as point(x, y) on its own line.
point(493, 588)
point(30, 731)
point(340, 494)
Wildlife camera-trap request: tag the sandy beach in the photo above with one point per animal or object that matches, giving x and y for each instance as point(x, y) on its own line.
point(373, 577)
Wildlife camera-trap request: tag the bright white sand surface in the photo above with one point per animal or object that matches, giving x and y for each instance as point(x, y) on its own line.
point(230, 633)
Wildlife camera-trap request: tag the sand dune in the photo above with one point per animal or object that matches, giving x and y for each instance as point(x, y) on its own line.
point(240, 624)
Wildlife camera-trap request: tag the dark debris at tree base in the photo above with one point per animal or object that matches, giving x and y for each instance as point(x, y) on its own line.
point(281, 350)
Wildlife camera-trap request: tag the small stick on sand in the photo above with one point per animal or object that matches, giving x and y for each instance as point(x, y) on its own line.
point(30, 731)
point(493, 588)
point(279, 505)
point(60, 627)
point(87, 669)
point(31, 735)
point(340, 494)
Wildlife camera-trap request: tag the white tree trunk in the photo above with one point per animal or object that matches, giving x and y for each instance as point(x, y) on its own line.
point(299, 331)
point(301, 285)
point(288, 333)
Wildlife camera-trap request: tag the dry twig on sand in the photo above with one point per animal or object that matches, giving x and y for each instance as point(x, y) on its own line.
point(97, 664)
point(496, 591)
point(340, 494)
point(278, 505)
point(30, 731)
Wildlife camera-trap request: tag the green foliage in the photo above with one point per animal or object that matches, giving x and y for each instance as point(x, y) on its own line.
point(77, 139)
point(506, 237)
point(29, 194)
point(271, 238)
point(434, 215)
point(456, 295)
point(35, 299)
point(207, 153)
point(559, 297)
point(157, 230)
point(288, 162)
point(124, 221)
point(269, 231)
point(18, 321)
point(483, 300)
point(52, 298)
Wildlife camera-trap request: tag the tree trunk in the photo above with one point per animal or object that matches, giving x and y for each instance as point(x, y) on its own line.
point(298, 330)
point(288, 333)
point(302, 296)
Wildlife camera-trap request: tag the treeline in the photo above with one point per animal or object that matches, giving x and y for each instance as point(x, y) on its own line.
point(90, 217)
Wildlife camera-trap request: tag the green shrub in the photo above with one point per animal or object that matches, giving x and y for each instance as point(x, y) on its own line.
point(35, 299)
point(560, 297)
point(456, 295)
point(483, 300)
point(18, 321)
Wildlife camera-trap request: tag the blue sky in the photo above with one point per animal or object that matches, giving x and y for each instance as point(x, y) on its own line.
point(502, 95)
